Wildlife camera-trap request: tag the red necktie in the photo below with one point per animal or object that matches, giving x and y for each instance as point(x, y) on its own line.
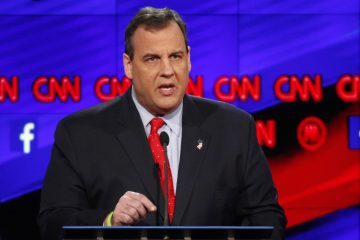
point(158, 154)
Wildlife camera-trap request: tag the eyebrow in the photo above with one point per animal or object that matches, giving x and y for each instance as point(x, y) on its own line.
point(181, 52)
point(177, 52)
point(150, 55)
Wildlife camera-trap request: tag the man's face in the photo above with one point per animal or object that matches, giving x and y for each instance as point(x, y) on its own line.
point(160, 68)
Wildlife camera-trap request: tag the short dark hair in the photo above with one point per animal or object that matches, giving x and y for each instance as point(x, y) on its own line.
point(153, 18)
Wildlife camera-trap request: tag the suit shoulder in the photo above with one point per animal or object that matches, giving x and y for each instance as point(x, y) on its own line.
point(216, 108)
point(95, 114)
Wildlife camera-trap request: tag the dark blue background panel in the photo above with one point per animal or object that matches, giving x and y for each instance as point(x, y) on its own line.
point(33, 46)
point(298, 6)
point(354, 132)
point(183, 7)
point(340, 225)
point(23, 172)
point(58, 7)
point(276, 44)
point(214, 47)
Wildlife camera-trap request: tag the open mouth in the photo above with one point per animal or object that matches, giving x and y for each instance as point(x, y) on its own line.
point(167, 89)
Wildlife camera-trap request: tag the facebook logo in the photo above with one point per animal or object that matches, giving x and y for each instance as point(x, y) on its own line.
point(354, 132)
point(27, 136)
point(23, 136)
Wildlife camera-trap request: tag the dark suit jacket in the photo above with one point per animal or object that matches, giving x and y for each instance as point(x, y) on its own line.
point(102, 152)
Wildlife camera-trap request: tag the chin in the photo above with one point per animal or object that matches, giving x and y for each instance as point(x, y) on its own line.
point(167, 109)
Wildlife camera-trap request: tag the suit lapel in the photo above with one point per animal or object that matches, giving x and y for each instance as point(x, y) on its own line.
point(193, 148)
point(132, 137)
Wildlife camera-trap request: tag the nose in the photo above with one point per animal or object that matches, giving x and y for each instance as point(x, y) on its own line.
point(167, 69)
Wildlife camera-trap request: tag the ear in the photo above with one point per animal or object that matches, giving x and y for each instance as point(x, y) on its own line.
point(127, 66)
point(188, 59)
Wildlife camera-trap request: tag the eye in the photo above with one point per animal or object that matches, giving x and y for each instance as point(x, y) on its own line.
point(175, 56)
point(151, 59)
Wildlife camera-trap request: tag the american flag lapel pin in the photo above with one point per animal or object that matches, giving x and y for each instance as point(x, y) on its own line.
point(200, 144)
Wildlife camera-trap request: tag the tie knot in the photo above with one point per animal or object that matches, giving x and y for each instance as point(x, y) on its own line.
point(156, 123)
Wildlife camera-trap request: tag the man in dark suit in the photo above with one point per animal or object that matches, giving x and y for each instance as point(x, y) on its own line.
point(107, 165)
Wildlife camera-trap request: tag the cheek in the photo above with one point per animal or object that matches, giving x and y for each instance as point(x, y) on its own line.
point(144, 79)
point(182, 71)
point(183, 78)
point(148, 89)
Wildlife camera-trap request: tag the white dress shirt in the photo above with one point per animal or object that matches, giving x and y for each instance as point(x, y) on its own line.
point(172, 126)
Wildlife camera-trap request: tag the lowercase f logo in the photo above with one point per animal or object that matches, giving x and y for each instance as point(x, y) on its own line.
point(27, 136)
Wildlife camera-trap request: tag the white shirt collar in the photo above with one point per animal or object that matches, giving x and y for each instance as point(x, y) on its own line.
point(172, 120)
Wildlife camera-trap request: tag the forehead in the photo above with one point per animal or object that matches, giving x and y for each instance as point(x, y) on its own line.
point(169, 37)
